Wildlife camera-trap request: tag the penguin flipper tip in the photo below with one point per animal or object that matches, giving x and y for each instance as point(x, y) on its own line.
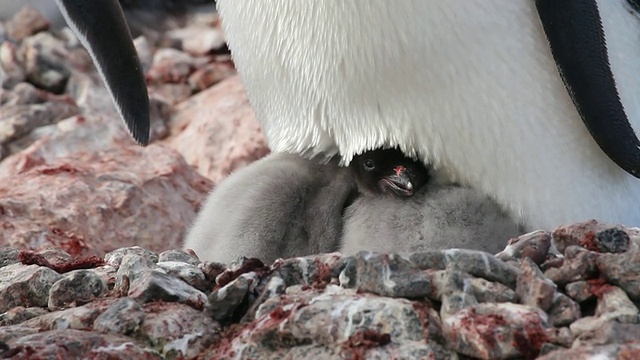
point(137, 122)
point(102, 29)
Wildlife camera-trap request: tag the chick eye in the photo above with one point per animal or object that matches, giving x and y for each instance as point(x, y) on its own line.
point(369, 165)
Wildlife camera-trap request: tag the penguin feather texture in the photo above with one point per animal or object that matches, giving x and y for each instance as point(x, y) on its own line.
point(470, 87)
point(281, 206)
point(435, 218)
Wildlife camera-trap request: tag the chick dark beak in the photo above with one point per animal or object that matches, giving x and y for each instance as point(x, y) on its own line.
point(399, 183)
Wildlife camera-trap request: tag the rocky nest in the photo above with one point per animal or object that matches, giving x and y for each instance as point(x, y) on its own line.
point(526, 302)
point(77, 196)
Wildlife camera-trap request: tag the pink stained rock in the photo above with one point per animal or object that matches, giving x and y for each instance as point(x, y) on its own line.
point(91, 202)
point(216, 130)
point(26, 22)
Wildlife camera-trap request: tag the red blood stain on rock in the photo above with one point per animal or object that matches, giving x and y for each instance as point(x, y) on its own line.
point(599, 286)
point(628, 354)
point(28, 162)
point(158, 306)
point(358, 344)
point(249, 265)
point(19, 352)
point(65, 168)
point(224, 346)
point(28, 257)
point(279, 313)
point(422, 310)
point(69, 242)
point(589, 242)
point(529, 340)
point(323, 275)
point(484, 325)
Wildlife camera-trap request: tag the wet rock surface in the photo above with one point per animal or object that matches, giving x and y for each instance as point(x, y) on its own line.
point(77, 196)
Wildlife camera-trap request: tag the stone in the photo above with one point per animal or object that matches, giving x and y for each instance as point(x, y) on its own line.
point(309, 270)
point(580, 291)
point(216, 130)
point(188, 273)
point(197, 41)
point(114, 204)
point(76, 287)
point(132, 267)
point(209, 75)
point(170, 66)
point(563, 311)
point(45, 63)
point(476, 263)
point(211, 270)
point(533, 288)
point(497, 331)
point(579, 264)
point(178, 331)
point(25, 285)
point(26, 22)
point(178, 255)
point(155, 285)
point(483, 290)
point(80, 318)
point(586, 234)
point(614, 240)
point(610, 333)
point(145, 51)
point(313, 329)
point(11, 64)
point(275, 286)
point(622, 270)
point(19, 120)
point(534, 245)
point(20, 314)
point(115, 257)
point(78, 344)
point(223, 301)
point(614, 303)
point(389, 275)
point(8, 255)
point(626, 351)
point(124, 317)
point(24, 93)
point(586, 324)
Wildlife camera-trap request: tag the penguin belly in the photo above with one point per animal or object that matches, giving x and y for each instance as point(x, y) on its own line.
point(436, 218)
point(471, 88)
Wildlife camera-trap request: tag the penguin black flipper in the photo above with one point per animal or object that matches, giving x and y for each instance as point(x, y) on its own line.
point(576, 36)
point(101, 27)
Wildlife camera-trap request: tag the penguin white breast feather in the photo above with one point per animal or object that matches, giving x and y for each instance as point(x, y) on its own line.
point(334, 76)
point(469, 86)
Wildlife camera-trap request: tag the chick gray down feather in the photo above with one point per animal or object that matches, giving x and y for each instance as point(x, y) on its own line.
point(436, 217)
point(280, 206)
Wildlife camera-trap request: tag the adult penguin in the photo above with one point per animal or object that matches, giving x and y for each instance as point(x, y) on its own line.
point(496, 92)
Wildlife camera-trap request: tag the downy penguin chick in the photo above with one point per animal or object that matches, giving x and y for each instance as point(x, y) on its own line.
point(388, 171)
point(436, 217)
point(285, 206)
point(280, 206)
